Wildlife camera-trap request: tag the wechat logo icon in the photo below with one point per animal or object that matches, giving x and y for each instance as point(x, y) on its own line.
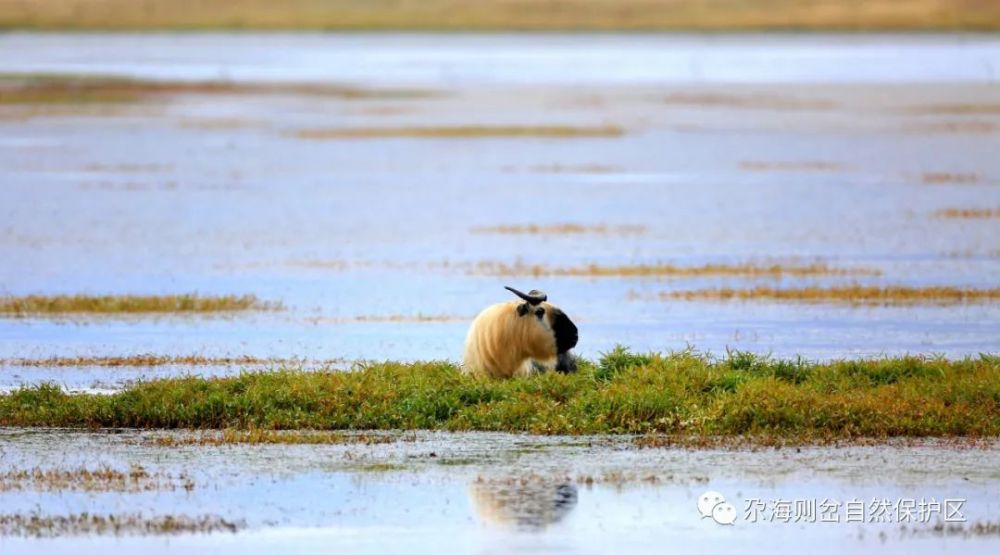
point(713, 504)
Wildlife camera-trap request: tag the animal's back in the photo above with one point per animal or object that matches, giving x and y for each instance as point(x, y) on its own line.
point(486, 351)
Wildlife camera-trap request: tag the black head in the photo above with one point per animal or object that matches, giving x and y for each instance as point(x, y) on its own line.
point(564, 329)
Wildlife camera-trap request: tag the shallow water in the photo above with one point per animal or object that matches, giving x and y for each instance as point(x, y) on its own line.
point(456, 59)
point(741, 148)
point(484, 492)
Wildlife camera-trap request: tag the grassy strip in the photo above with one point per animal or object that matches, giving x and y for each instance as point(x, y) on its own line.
point(462, 132)
point(32, 89)
point(679, 393)
point(562, 229)
point(129, 304)
point(968, 213)
point(848, 294)
point(520, 268)
point(501, 14)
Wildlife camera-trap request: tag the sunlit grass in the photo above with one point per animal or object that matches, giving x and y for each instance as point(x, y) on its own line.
point(680, 393)
point(501, 14)
point(129, 304)
point(463, 132)
point(846, 294)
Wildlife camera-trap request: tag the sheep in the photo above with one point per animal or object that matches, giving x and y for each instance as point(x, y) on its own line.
point(520, 338)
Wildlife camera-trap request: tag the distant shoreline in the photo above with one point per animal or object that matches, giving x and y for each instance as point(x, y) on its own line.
point(502, 16)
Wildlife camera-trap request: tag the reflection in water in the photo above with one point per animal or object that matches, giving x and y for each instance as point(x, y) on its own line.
point(526, 504)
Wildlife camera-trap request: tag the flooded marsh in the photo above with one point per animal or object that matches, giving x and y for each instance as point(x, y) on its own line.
point(486, 491)
point(795, 234)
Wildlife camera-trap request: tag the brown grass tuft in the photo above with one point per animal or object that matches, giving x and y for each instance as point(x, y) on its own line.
point(463, 132)
point(805, 166)
point(495, 15)
point(851, 294)
point(950, 178)
point(129, 304)
point(519, 268)
point(103, 479)
point(968, 213)
point(35, 89)
point(562, 229)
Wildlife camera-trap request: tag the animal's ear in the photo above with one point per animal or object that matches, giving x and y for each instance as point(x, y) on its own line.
point(522, 309)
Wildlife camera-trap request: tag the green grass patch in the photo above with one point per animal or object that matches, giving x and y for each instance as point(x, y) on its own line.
point(32, 305)
point(679, 393)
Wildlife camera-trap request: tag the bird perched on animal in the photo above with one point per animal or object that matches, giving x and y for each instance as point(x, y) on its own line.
point(519, 338)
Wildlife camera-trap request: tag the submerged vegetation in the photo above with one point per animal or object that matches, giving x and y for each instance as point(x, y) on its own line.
point(951, 178)
point(680, 393)
point(844, 294)
point(463, 132)
point(259, 436)
point(807, 166)
point(562, 229)
point(598, 15)
point(104, 478)
point(969, 213)
point(669, 270)
point(36, 525)
point(32, 305)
